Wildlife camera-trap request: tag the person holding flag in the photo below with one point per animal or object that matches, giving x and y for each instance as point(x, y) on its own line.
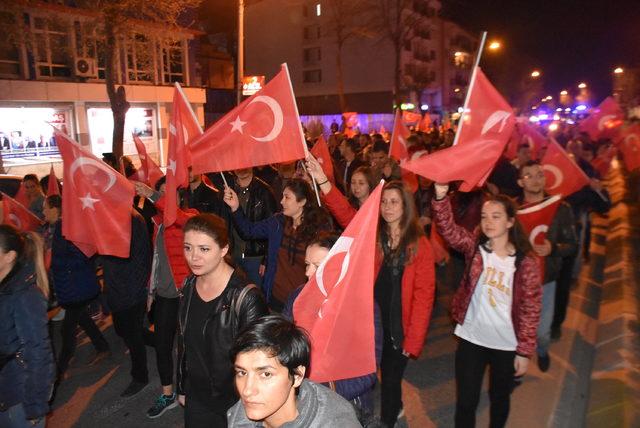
point(559, 241)
point(496, 307)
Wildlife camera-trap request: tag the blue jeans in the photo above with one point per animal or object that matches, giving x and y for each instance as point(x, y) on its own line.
point(14, 417)
point(546, 317)
point(251, 266)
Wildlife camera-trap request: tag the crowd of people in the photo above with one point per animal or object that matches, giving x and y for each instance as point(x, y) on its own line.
point(222, 280)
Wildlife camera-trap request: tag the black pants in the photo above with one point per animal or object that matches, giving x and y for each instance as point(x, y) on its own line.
point(78, 314)
point(563, 290)
point(392, 369)
point(128, 324)
point(166, 323)
point(471, 362)
point(199, 415)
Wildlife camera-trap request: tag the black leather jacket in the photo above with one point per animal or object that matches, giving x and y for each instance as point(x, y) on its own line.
point(261, 205)
point(220, 330)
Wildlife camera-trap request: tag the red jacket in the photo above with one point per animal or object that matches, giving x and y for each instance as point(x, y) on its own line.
point(418, 279)
point(527, 282)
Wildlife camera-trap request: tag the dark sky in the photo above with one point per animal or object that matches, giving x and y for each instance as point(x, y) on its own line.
point(569, 40)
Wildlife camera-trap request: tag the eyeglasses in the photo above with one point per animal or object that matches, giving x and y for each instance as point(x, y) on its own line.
point(539, 175)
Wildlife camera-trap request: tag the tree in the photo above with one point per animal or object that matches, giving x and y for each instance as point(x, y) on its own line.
point(346, 21)
point(114, 20)
point(398, 21)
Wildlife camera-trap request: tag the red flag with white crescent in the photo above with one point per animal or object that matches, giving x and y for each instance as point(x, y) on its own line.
point(629, 146)
point(411, 117)
point(18, 215)
point(265, 128)
point(320, 151)
point(524, 133)
point(183, 129)
point(604, 121)
point(149, 172)
point(536, 219)
point(336, 305)
point(425, 123)
point(563, 176)
point(399, 151)
point(53, 187)
point(96, 202)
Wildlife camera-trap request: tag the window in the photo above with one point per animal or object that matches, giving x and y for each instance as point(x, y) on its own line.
point(90, 45)
point(173, 63)
point(312, 76)
point(140, 59)
point(318, 9)
point(312, 55)
point(311, 32)
point(50, 47)
point(9, 61)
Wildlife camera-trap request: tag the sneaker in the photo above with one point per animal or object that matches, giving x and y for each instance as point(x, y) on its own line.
point(99, 356)
point(544, 362)
point(162, 404)
point(133, 389)
point(59, 316)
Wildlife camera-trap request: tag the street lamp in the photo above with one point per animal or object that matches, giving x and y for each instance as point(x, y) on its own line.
point(535, 74)
point(582, 85)
point(495, 45)
point(618, 70)
point(564, 92)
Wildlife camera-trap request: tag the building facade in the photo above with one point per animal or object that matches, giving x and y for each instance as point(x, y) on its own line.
point(435, 57)
point(56, 74)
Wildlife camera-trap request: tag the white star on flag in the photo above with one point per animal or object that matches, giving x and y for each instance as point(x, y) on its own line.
point(172, 166)
point(88, 201)
point(237, 125)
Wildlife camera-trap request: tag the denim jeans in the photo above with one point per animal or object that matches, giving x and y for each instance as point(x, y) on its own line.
point(14, 417)
point(546, 317)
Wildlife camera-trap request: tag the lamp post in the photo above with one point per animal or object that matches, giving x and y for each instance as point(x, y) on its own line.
point(240, 70)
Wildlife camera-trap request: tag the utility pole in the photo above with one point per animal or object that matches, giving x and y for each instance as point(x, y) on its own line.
point(240, 70)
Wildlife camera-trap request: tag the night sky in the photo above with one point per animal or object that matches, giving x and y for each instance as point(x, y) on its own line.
point(568, 40)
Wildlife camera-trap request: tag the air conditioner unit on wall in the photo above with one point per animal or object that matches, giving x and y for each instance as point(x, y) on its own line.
point(86, 67)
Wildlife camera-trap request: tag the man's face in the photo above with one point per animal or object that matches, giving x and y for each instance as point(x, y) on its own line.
point(265, 387)
point(378, 159)
point(532, 179)
point(244, 174)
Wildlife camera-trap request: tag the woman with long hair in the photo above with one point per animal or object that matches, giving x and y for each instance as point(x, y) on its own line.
point(217, 303)
point(26, 358)
point(288, 234)
point(496, 307)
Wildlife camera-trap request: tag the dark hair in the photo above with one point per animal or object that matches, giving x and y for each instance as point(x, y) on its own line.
point(313, 218)
point(517, 237)
point(211, 225)
point(368, 175)
point(410, 230)
point(324, 240)
point(54, 201)
point(29, 249)
point(160, 182)
point(380, 146)
point(279, 338)
point(352, 144)
point(528, 164)
point(31, 177)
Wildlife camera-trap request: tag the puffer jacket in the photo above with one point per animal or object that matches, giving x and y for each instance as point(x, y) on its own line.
point(28, 377)
point(220, 329)
point(527, 282)
point(74, 274)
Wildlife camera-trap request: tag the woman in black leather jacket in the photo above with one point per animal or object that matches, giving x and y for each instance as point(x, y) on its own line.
point(217, 302)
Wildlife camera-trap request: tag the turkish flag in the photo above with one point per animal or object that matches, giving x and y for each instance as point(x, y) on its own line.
point(350, 119)
point(336, 305)
point(523, 133)
point(488, 124)
point(398, 150)
point(21, 195)
point(563, 175)
point(411, 117)
point(265, 128)
point(604, 121)
point(630, 148)
point(183, 129)
point(320, 151)
point(425, 123)
point(52, 185)
point(149, 172)
point(536, 219)
point(14, 213)
point(96, 202)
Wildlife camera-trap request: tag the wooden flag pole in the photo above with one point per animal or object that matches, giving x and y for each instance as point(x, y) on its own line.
point(483, 38)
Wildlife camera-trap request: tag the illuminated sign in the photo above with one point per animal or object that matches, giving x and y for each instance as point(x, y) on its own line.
point(252, 84)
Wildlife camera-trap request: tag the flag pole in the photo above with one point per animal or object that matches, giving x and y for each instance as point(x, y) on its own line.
point(395, 118)
point(483, 38)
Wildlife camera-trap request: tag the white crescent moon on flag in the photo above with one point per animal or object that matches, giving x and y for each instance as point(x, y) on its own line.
point(603, 121)
point(631, 137)
point(496, 116)
point(278, 119)
point(557, 174)
point(14, 218)
point(81, 161)
point(342, 245)
point(541, 228)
